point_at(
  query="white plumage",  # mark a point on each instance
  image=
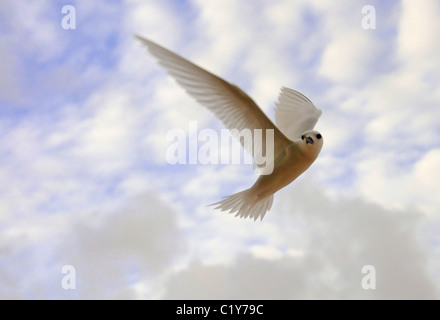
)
(295, 113)
(295, 144)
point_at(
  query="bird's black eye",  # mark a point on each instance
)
(318, 136)
(302, 137)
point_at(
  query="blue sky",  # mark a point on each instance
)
(84, 115)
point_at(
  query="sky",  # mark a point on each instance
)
(90, 208)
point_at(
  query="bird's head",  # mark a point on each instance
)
(312, 141)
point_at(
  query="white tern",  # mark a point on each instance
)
(295, 144)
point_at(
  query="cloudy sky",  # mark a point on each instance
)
(84, 117)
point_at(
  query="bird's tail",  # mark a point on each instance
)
(245, 204)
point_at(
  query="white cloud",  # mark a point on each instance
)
(337, 239)
(106, 137)
(419, 27)
(312, 247)
(266, 252)
(381, 181)
(71, 168)
(428, 171)
(106, 250)
(350, 64)
(156, 20)
(349, 51)
(37, 29)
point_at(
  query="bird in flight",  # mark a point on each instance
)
(294, 143)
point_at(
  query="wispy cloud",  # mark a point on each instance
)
(84, 178)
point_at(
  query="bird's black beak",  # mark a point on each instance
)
(309, 140)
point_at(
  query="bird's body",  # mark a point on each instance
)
(291, 164)
(295, 144)
(254, 202)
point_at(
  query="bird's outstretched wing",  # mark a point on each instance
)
(228, 102)
(295, 113)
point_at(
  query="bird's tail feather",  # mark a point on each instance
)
(245, 204)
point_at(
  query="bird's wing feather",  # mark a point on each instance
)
(295, 113)
(228, 102)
